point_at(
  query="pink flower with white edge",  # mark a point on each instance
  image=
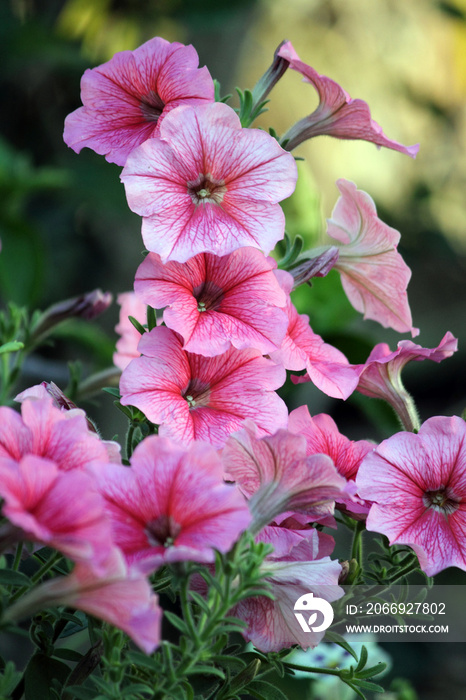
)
(337, 114)
(44, 430)
(418, 485)
(119, 595)
(172, 504)
(323, 437)
(216, 302)
(203, 398)
(61, 509)
(325, 366)
(207, 185)
(373, 273)
(127, 345)
(272, 625)
(380, 376)
(126, 99)
(277, 476)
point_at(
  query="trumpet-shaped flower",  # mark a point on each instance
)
(126, 99)
(278, 477)
(337, 114)
(205, 398)
(373, 273)
(207, 185)
(216, 302)
(418, 485)
(61, 509)
(172, 504)
(127, 344)
(44, 430)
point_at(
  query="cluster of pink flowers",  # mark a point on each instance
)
(209, 190)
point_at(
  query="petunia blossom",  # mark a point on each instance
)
(44, 430)
(205, 398)
(325, 365)
(216, 302)
(127, 344)
(172, 504)
(61, 509)
(119, 595)
(276, 475)
(380, 376)
(373, 273)
(323, 437)
(337, 113)
(418, 485)
(126, 99)
(207, 185)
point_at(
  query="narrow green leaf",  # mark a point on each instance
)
(203, 669)
(8, 577)
(12, 346)
(138, 326)
(266, 691)
(176, 622)
(113, 391)
(336, 638)
(68, 654)
(367, 685)
(362, 660)
(372, 671)
(39, 675)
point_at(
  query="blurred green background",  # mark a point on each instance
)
(65, 227)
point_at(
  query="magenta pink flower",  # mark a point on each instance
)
(207, 185)
(121, 596)
(380, 376)
(323, 437)
(325, 366)
(272, 625)
(278, 477)
(61, 509)
(194, 397)
(214, 303)
(126, 99)
(337, 114)
(127, 345)
(44, 430)
(172, 504)
(418, 485)
(373, 273)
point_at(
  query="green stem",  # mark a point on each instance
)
(37, 576)
(17, 559)
(129, 441)
(356, 547)
(409, 568)
(313, 669)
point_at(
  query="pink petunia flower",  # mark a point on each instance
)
(127, 345)
(126, 99)
(172, 504)
(205, 398)
(119, 595)
(277, 476)
(418, 484)
(44, 430)
(323, 437)
(207, 185)
(325, 366)
(337, 114)
(373, 273)
(272, 625)
(216, 302)
(61, 509)
(380, 376)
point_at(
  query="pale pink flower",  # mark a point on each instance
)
(337, 114)
(325, 366)
(323, 437)
(205, 398)
(207, 185)
(61, 509)
(418, 485)
(127, 345)
(172, 504)
(380, 376)
(119, 595)
(277, 476)
(126, 99)
(216, 302)
(272, 625)
(373, 273)
(44, 430)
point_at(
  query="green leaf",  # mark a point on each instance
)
(12, 346)
(203, 669)
(336, 638)
(135, 657)
(372, 671)
(113, 391)
(8, 577)
(362, 660)
(176, 622)
(233, 663)
(367, 685)
(138, 326)
(199, 600)
(68, 654)
(39, 675)
(265, 691)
